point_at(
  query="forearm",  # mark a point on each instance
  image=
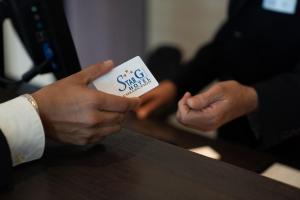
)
(275, 119)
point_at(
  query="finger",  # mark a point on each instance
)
(149, 103)
(184, 99)
(114, 103)
(183, 111)
(186, 115)
(144, 111)
(203, 100)
(207, 119)
(148, 96)
(93, 72)
(182, 104)
(192, 119)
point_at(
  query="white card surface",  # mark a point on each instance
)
(281, 6)
(130, 79)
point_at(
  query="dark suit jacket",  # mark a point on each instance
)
(258, 48)
(5, 163)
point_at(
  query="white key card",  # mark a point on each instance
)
(130, 79)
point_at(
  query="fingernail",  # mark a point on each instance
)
(108, 63)
(188, 94)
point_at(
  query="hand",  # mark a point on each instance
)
(222, 103)
(73, 113)
(163, 94)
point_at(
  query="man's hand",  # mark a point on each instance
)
(73, 113)
(222, 103)
(163, 94)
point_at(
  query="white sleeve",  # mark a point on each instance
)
(23, 129)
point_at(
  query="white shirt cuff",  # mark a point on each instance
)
(23, 129)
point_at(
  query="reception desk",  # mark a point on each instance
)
(132, 166)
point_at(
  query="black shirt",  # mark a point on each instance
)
(260, 48)
(5, 163)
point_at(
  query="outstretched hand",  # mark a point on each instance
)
(220, 104)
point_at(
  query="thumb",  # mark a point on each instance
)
(93, 72)
(205, 99)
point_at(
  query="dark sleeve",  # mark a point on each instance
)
(200, 71)
(207, 64)
(5, 164)
(277, 117)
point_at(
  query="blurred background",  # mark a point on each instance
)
(120, 30)
(123, 29)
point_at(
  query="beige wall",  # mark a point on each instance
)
(186, 23)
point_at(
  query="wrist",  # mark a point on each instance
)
(39, 101)
(32, 101)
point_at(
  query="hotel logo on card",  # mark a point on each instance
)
(131, 79)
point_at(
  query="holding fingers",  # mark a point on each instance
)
(73, 113)
(220, 104)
